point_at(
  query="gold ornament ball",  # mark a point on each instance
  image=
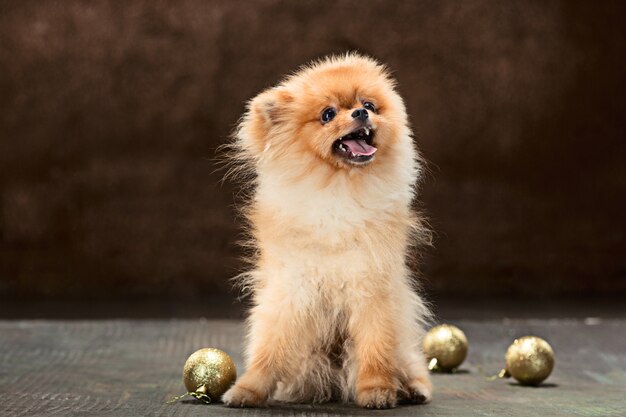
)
(209, 371)
(529, 360)
(447, 345)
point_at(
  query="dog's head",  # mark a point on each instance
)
(343, 111)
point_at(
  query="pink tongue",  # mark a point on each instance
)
(359, 147)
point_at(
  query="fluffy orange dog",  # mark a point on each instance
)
(335, 315)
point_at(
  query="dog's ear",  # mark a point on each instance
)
(271, 105)
(265, 112)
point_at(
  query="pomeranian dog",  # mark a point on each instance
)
(335, 314)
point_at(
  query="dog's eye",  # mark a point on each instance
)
(328, 115)
(369, 106)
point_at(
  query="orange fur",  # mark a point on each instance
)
(335, 314)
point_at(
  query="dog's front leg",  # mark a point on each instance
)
(372, 329)
(277, 344)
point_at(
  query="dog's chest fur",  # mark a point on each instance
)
(331, 238)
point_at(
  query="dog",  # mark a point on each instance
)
(335, 314)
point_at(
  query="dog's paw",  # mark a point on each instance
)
(377, 397)
(238, 396)
(419, 391)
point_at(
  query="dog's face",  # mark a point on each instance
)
(343, 111)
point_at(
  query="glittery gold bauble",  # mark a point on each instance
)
(209, 371)
(529, 360)
(445, 347)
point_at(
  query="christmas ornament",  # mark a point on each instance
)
(207, 374)
(529, 360)
(445, 347)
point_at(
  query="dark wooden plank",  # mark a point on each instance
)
(123, 368)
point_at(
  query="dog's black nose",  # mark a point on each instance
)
(360, 114)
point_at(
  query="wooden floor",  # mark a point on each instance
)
(131, 367)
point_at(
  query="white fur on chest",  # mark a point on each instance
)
(322, 236)
(335, 206)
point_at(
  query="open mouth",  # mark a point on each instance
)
(356, 147)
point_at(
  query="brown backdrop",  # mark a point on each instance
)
(110, 112)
